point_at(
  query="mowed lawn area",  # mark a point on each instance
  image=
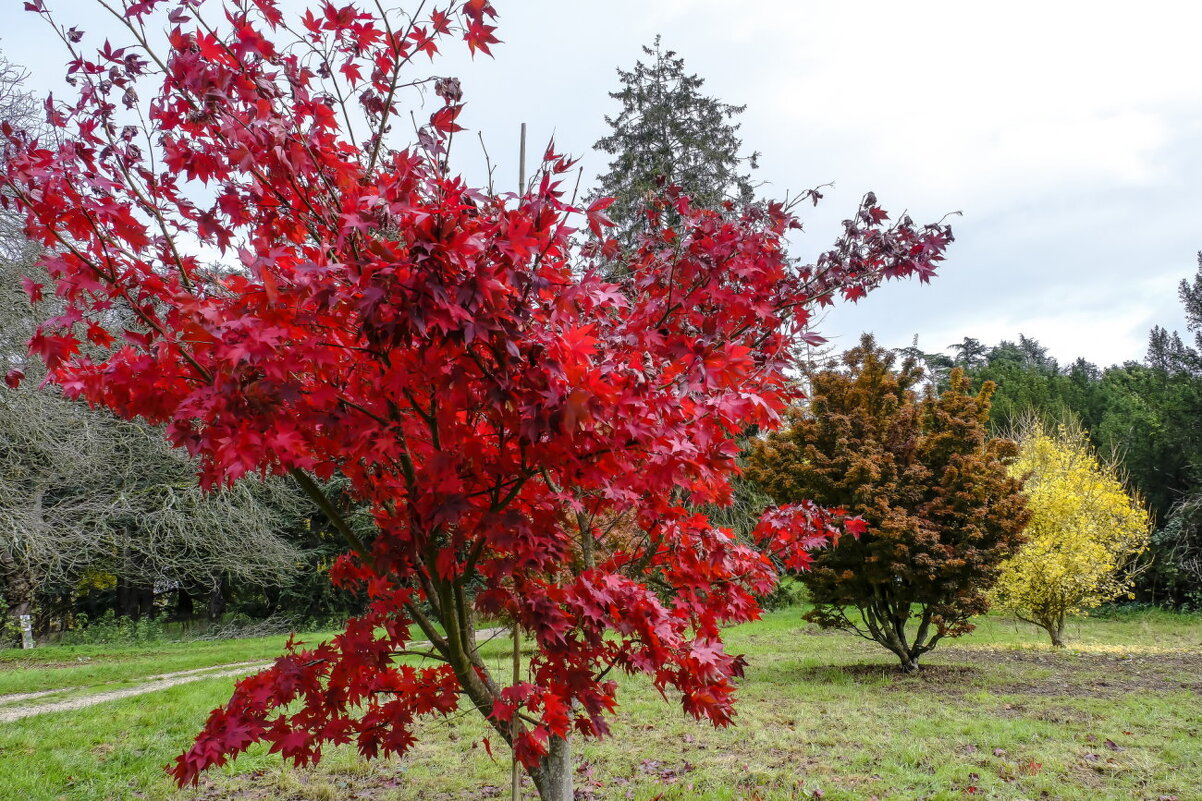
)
(995, 715)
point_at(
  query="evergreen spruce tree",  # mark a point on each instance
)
(669, 133)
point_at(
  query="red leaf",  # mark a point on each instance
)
(98, 335)
(479, 36)
(596, 216)
(352, 72)
(53, 348)
(443, 120)
(855, 525)
(32, 289)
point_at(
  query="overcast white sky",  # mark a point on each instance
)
(1068, 133)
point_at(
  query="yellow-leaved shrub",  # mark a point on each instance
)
(1085, 529)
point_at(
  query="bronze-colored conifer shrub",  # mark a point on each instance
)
(942, 510)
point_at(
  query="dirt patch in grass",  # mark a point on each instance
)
(383, 781)
(1087, 675)
(1072, 674)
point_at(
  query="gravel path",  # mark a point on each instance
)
(253, 663)
(162, 681)
(14, 697)
(10, 713)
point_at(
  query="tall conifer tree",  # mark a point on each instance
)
(668, 132)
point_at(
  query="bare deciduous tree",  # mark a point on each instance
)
(84, 493)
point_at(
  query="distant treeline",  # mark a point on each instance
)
(1148, 414)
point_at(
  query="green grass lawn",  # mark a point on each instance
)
(994, 715)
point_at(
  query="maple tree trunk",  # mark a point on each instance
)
(553, 775)
(1056, 632)
(1050, 622)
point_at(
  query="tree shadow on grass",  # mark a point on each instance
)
(879, 674)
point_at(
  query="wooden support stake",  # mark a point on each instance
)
(515, 774)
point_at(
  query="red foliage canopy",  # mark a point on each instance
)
(451, 353)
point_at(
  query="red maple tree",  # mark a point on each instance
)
(452, 353)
